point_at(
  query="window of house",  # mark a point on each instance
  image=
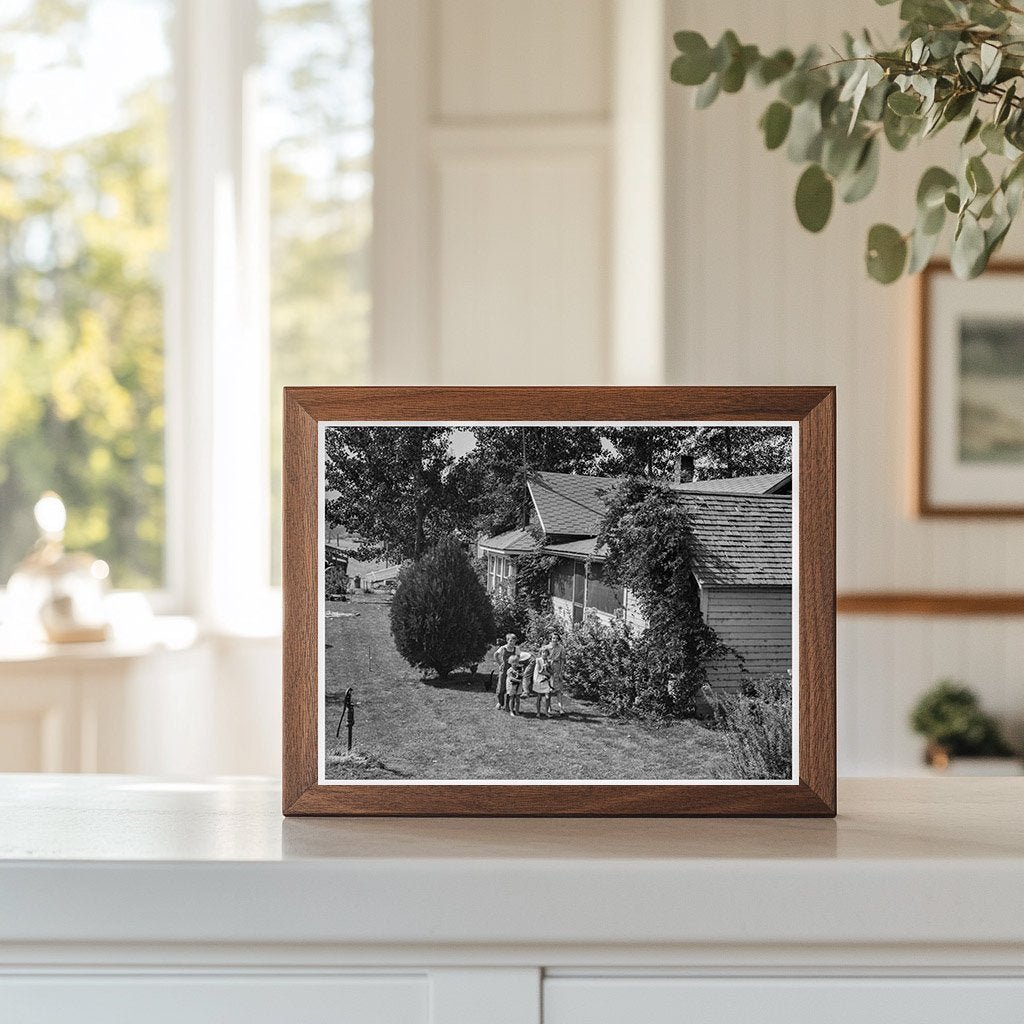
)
(83, 242)
(601, 596)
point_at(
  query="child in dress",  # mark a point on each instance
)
(542, 683)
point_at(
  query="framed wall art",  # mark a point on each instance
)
(559, 601)
(970, 384)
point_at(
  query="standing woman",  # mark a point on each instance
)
(503, 656)
(556, 660)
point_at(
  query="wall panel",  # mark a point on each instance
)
(523, 283)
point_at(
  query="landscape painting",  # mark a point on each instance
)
(515, 602)
(991, 389)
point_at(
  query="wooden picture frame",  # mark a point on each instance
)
(931, 406)
(812, 790)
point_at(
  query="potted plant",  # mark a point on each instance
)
(950, 717)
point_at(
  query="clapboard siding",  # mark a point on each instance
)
(757, 623)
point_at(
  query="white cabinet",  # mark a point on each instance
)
(216, 999)
(127, 898)
(821, 1000)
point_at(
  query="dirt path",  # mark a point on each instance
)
(450, 729)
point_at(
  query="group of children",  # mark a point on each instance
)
(529, 674)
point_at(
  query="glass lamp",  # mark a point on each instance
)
(59, 594)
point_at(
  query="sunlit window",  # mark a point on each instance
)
(83, 235)
(317, 121)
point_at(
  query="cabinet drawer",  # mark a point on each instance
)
(576, 1000)
(220, 999)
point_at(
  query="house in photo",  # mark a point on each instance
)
(501, 553)
(742, 573)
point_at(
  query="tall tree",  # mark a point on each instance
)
(387, 486)
(643, 451)
(729, 451)
(441, 617)
(83, 216)
(503, 459)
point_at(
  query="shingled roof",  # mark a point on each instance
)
(512, 542)
(568, 504)
(742, 540)
(586, 547)
(764, 483)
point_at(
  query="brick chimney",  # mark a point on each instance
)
(683, 471)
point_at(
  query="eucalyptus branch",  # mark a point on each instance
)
(955, 61)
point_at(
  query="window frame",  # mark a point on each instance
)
(215, 328)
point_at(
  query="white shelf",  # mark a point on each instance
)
(125, 860)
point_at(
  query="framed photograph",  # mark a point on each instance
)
(970, 450)
(559, 601)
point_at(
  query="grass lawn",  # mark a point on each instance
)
(406, 728)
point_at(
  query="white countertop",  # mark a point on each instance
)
(117, 859)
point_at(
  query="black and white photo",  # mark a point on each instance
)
(512, 602)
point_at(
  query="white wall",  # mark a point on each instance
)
(505, 126)
(519, 239)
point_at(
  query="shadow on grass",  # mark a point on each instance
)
(465, 681)
(567, 718)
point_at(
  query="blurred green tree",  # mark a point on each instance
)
(82, 232)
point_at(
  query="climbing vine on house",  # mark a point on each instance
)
(650, 550)
(957, 62)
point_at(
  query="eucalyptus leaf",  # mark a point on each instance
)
(840, 152)
(957, 106)
(931, 191)
(805, 133)
(886, 253)
(1013, 187)
(771, 69)
(993, 138)
(978, 176)
(814, 194)
(707, 93)
(922, 248)
(991, 60)
(690, 70)
(865, 173)
(775, 123)
(900, 130)
(794, 89)
(904, 103)
(1005, 105)
(973, 130)
(968, 248)
(735, 74)
(987, 15)
(873, 106)
(931, 221)
(725, 50)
